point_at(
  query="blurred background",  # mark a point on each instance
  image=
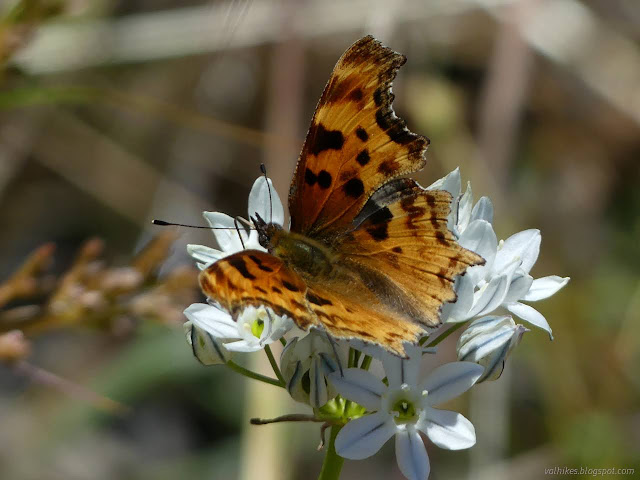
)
(115, 112)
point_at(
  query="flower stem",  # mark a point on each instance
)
(274, 364)
(352, 353)
(366, 362)
(332, 461)
(444, 335)
(256, 376)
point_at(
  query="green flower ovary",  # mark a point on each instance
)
(257, 328)
(404, 411)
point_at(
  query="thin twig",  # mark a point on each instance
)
(292, 417)
(70, 388)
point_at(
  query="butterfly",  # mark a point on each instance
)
(368, 255)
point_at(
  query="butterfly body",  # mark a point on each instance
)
(308, 257)
(368, 255)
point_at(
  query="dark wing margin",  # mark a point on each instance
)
(355, 143)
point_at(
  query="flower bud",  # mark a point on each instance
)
(488, 341)
(305, 365)
(206, 348)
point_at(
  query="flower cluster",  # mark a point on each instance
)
(366, 409)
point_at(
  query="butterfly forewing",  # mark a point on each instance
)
(355, 143)
(252, 277)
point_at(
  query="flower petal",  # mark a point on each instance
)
(530, 315)
(524, 246)
(360, 386)
(411, 455)
(480, 238)
(264, 201)
(490, 296)
(447, 429)
(458, 310)
(401, 370)
(364, 436)
(450, 380)
(245, 346)
(226, 234)
(215, 321)
(451, 183)
(318, 394)
(483, 210)
(519, 286)
(205, 255)
(465, 205)
(544, 287)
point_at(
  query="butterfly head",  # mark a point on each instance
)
(266, 231)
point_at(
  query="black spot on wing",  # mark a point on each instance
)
(361, 133)
(240, 266)
(379, 96)
(356, 95)
(354, 188)
(381, 216)
(290, 286)
(388, 167)
(379, 232)
(320, 139)
(317, 300)
(397, 249)
(262, 267)
(363, 157)
(324, 179)
(310, 178)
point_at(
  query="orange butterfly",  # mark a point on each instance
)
(368, 255)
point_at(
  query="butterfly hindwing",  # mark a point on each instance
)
(253, 277)
(355, 143)
(402, 236)
(360, 315)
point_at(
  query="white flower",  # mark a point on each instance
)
(405, 408)
(269, 207)
(254, 328)
(305, 365)
(488, 341)
(463, 213)
(504, 279)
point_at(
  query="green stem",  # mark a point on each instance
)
(352, 353)
(274, 364)
(366, 362)
(256, 376)
(441, 337)
(356, 358)
(332, 461)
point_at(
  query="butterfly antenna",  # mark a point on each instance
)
(162, 223)
(235, 222)
(335, 352)
(263, 169)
